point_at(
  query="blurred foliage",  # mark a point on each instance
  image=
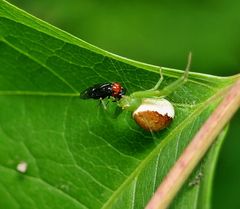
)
(162, 33)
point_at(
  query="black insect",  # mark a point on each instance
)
(103, 90)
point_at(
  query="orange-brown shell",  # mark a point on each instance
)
(152, 120)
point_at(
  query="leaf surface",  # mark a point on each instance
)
(78, 155)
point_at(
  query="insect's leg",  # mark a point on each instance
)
(179, 82)
(114, 99)
(103, 103)
(159, 81)
(168, 89)
(107, 101)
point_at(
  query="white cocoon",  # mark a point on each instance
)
(162, 106)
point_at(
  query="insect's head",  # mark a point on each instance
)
(117, 90)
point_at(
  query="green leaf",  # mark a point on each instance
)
(196, 193)
(78, 155)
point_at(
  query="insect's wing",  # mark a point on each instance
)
(97, 91)
(86, 93)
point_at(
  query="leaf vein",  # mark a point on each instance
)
(71, 154)
(40, 63)
(44, 182)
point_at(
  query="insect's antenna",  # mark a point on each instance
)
(189, 61)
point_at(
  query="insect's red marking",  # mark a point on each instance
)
(116, 89)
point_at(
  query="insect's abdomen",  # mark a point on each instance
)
(99, 91)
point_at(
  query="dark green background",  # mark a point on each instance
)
(162, 33)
